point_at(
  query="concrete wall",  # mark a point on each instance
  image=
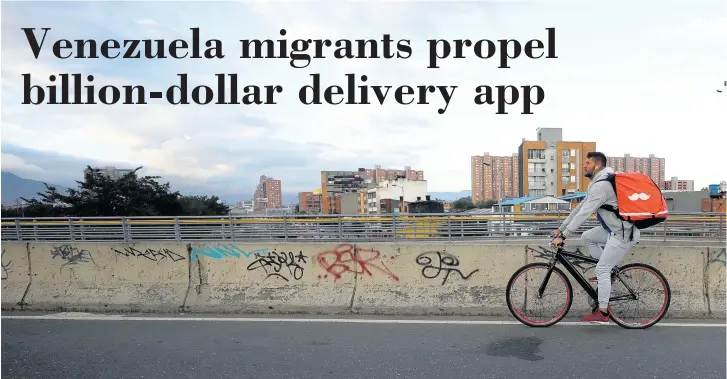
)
(383, 278)
(685, 201)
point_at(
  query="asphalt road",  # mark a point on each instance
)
(213, 349)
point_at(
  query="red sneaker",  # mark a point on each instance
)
(596, 317)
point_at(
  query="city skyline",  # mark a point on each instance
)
(618, 99)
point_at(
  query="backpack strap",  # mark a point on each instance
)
(611, 178)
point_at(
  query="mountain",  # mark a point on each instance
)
(14, 187)
(450, 196)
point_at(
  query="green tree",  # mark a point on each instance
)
(462, 204)
(131, 195)
(203, 206)
(486, 204)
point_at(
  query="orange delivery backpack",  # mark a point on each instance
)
(639, 199)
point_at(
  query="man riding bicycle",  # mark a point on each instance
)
(619, 237)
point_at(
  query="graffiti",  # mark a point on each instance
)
(72, 255)
(224, 251)
(444, 262)
(150, 254)
(348, 258)
(6, 266)
(719, 258)
(274, 262)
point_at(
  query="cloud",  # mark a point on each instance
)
(146, 21)
(606, 84)
(17, 165)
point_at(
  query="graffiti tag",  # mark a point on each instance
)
(274, 262)
(222, 251)
(719, 258)
(348, 258)
(72, 255)
(435, 262)
(6, 266)
(150, 254)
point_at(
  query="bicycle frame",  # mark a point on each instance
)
(561, 256)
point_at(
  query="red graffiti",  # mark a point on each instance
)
(347, 258)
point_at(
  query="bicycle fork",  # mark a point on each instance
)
(551, 265)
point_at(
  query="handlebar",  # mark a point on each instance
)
(552, 238)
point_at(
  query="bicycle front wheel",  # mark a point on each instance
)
(529, 308)
(651, 302)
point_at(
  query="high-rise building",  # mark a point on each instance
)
(494, 177)
(551, 166)
(651, 166)
(268, 194)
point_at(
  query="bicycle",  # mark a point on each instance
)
(619, 275)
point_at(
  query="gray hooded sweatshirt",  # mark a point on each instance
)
(599, 193)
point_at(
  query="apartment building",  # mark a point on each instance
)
(378, 174)
(494, 177)
(310, 202)
(268, 194)
(550, 166)
(410, 190)
(675, 184)
(335, 184)
(651, 166)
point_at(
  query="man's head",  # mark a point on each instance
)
(595, 162)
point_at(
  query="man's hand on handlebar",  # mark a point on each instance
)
(557, 238)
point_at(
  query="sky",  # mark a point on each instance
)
(625, 73)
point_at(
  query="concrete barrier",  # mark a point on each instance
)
(395, 279)
(148, 277)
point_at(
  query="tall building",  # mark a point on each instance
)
(651, 166)
(551, 166)
(336, 184)
(494, 177)
(268, 194)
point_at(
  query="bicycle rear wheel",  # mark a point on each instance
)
(531, 276)
(653, 296)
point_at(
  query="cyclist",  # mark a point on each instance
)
(615, 234)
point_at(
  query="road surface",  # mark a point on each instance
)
(162, 346)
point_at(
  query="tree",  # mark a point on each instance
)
(464, 203)
(486, 204)
(203, 206)
(131, 195)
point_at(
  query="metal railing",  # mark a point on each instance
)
(705, 227)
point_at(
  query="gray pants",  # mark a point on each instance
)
(615, 249)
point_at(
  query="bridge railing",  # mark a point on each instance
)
(324, 228)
